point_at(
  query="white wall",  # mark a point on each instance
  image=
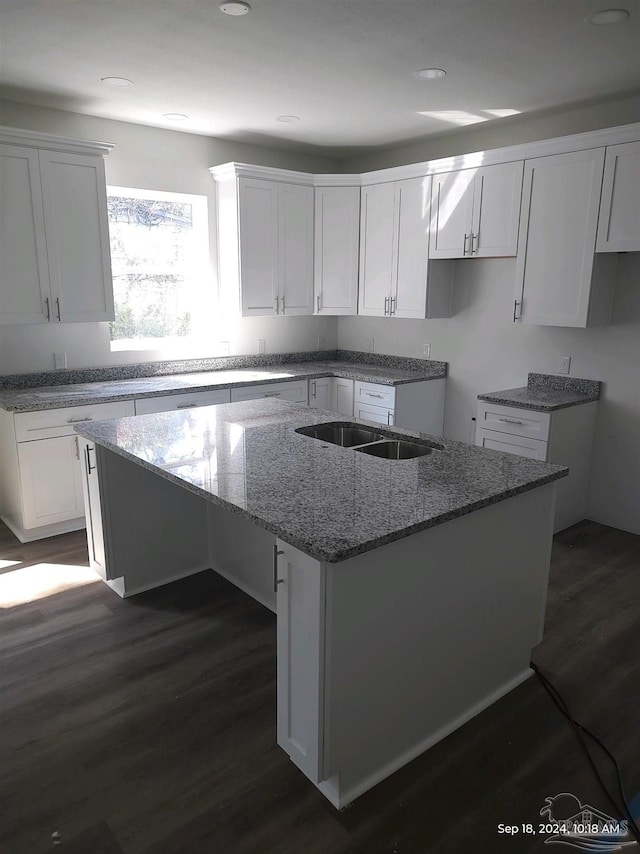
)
(153, 158)
(486, 352)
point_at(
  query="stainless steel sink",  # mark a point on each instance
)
(396, 449)
(337, 434)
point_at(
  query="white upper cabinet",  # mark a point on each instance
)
(396, 277)
(265, 241)
(559, 280)
(54, 237)
(475, 212)
(619, 222)
(337, 235)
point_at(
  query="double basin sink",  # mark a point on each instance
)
(367, 441)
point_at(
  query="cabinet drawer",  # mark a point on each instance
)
(496, 441)
(49, 423)
(374, 394)
(166, 402)
(295, 391)
(377, 414)
(510, 419)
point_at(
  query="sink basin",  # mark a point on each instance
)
(396, 449)
(347, 437)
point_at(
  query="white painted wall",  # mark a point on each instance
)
(153, 158)
(486, 351)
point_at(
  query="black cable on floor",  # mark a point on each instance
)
(557, 698)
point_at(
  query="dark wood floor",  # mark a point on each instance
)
(148, 725)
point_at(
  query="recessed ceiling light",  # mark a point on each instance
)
(175, 117)
(608, 16)
(117, 82)
(235, 7)
(287, 119)
(430, 73)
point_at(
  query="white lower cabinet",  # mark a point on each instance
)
(332, 393)
(293, 390)
(414, 406)
(564, 437)
(41, 493)
(189, 400)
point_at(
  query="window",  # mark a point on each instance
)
(162, 280)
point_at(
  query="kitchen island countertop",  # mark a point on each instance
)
(328, 501)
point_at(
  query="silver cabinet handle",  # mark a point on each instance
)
(510, 420)
(464, 247)
(273, 394)
(474, 237)
(318, 303)
(277, 304)
(313, 389)
(392, 309)
(516, 316)
(276, 553)
(283, 305)
(372, 394)
(386, 305)
(78, 420)
(46, 302)
(390, 418)
(90, 468)
(77, 447)
(58, 307)
(186, 405)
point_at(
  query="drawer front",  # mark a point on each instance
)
(295, 391)
(496, 441)
(49, 423)
(167, 402)
(377, 414)
(509, 419)
(374, 394)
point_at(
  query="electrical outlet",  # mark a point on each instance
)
(426, 351)
(320, 342)
(371, 345)
(59, 361)
(224, 348)
(564, 365)
(261, 345)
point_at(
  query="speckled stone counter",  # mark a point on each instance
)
(84, 387)
(546, 393)
(330, 502)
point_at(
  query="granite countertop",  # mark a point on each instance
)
(82, 393)
(546, 393)
(330, 502)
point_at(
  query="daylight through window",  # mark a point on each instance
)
(162, 282)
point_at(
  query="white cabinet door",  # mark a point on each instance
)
(50, 480)
(496, 210)
(409, 295)
(377, 249)
(533, 448)
(300, 583)
(560, 202)
(342, 400)
(77, 231)
(258, 227)
(619, 222)
(93, 507)
(320, 393)
(24, 272)
(451, 212)
(337, 236)
(295, 237)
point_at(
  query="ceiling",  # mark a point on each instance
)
(344, 67)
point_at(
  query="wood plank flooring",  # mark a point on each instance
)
(148, 725)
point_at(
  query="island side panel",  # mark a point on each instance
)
(155, 531)
(424, 633)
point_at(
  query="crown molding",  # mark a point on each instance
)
(47, 141)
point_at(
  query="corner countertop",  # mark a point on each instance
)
(330, 502)
(82, 393)
(547, 393)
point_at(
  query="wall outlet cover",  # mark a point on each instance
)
(426, 351)
(564, 365)
(261, 345)
(59, 361)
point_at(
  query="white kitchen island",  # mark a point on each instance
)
(409, 593)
